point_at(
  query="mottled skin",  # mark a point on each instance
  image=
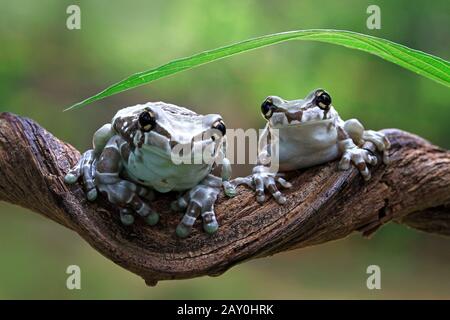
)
(307, 132)
(134, 155)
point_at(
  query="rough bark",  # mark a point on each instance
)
(324, 204)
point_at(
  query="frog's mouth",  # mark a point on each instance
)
(284, 118)
(201, 149)
(197, 151)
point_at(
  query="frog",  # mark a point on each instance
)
(307, 132)
(134, 158)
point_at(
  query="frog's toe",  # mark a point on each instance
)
(92, 195)
(370, 159)
(362, 167)
(142, 208)
(127, 219)
(276, 194)
(361, 159)
(243, 180)
(210, 224)
(230, 191)
(279, 197)
(386, 159)
(345, 162)
(211, 227)
(380, 141)
(183, 231)
(74, 174)
(145, 193)
(259, 188)
(285, 184)
(185, 226)
(260, 196)
(70, 178)
(152, 218)
(229, 188)
(174, 206)
(180, 204)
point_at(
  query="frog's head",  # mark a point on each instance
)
(160, 127)
(315, 107)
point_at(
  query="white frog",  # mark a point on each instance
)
(134, 155)
(307, 132)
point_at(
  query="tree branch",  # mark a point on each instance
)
(324, 204)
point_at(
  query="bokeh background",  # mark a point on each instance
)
(44, 68)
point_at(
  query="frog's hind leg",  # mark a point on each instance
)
(85, 167)
(353, 153)
(263, 179)
(181, 203)
(359, 135)
(192, 213)
(126, 194)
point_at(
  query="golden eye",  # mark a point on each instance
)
(147, 121)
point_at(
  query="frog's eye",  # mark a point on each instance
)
(147, 121)
(220, 126)
(323, 100)
(267, 108)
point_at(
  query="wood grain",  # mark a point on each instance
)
(324, 204)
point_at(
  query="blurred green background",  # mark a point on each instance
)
(44, 68)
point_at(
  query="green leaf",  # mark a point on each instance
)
(420, 62)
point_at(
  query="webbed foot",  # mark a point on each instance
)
(262, 179)
(359, 135)
(198, 201)
(126, 194)
(351, 139)
(85, 168)
(380, 141)
(360, 158)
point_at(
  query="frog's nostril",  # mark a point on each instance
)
(291, 116)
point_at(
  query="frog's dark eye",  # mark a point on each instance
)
(220, 126)
(267, 108)
(323, 100)
(147, 121)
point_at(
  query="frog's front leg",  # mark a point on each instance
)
(198, 201)
(126, 194)
(262, 178)
(351, 153)
(359, 136)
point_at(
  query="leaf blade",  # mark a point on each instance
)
(422, 63)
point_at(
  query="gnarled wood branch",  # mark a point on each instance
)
(324, 204)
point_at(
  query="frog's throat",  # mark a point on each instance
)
(302, 124)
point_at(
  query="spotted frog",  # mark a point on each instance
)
(307, 132)
(133, 156)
